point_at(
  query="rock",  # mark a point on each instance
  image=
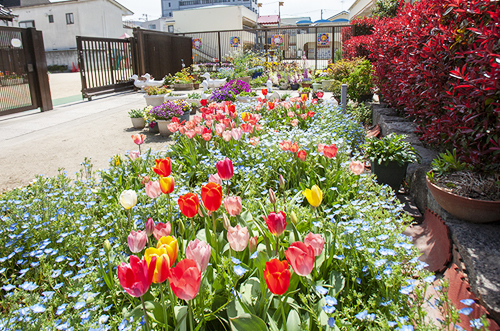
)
(377, 112)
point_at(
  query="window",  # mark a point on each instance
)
(152, 26)
(27, 24)
(170, 14)
(70, 19)
(169, 4)
(171, 28)
(51, 18)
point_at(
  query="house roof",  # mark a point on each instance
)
(268, 19)
(332, 18)
(6, 15)
(33, 3)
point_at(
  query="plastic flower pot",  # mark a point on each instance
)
(162, 127)
(154, 100)
(138, 123)
(326, 85)
(294, 87)
(317, 86)
(390, 173)
(466, 209)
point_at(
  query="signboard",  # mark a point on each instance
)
(235, 41)
(197, 43)
(277, 40)
(323, 39)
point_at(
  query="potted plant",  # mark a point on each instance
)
(390, 157)
(247, 96)
(183, 80)
(196, 84)
(294, 82)
(137, 117)
(164, 113)
(305, 90)
(155, 95)
(467, 195)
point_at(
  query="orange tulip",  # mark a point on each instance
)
(163, 167)
(188, 204)
(169, 244)
(167, 184)
(211, 195)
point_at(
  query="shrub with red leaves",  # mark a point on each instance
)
(356, 41)
(439, 62)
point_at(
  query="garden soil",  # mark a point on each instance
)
(33, 143)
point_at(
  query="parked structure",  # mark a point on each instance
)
(168, 7)
(61, 22)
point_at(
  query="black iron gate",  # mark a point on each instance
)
(24, 82)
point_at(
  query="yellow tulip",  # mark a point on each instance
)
(169, 244)
(314, 195)
(162, 263)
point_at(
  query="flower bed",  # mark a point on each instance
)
(70, 248)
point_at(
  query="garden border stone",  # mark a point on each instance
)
(478, 244)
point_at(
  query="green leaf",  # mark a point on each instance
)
(337, 281)
(293, 321)
(181, 317)
(246, 322)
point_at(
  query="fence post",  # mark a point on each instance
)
(141, 66)
(332, 46)
(220, 52)
(81, 65)
(265, 45)
(315, 49)
(343, 100)
(42, 76)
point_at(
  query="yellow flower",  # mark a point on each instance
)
(314, 195)
(162, 263)
(169, 244)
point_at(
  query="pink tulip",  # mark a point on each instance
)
(233, 205)
(321, 148)
(357, 167)
(214, 179)
(137, 241)
(173, 127)
(291, 114)
(237, 237)
(316, 241)
(138, 138)
(226, 135)
(197, 119)
(190, 134)
(153, 189)
(301, 258)
(258, 127)
(219, 128)
(252, 245)
(225, 169)
(237, 133)
(254, 141)
(199, 251)
(207, 136)
(150, 226)
(162, 230)
(303, 116)
(133, 155)
(295, 122)
(199, 130)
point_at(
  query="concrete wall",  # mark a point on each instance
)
(212, 18)
(66, 57)
(361, 8)
(92, 18)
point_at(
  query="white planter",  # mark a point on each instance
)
(162, 126)
(176, 97)
(246, 99)
(154, 100)
(138, 123)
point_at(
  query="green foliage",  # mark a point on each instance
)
(137, 113)
(194, 95)
(57, 68)
(360, 112)
(390, 148)
(447, 162)
(359, 82)
(386, 8)
(259, 81)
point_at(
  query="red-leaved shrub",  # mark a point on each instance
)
(439, 62)
(357, 38)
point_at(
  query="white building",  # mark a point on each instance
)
(62, 21)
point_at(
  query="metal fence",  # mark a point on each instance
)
(105, 65)
(319, 45)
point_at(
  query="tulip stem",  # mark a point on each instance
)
(282, 301)
(139, 149)
(173, 302)
(214, 235)
(227, 186)
(277, 246)
(170, 213)
(164, 307)
(190, 309)
(145, 314)
(192, 225)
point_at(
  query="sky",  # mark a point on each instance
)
(308, 8)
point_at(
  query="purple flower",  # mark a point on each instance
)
(166, 111)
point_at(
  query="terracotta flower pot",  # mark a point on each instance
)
(466, 209)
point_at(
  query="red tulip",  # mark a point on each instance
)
(225, 169)
(163, 167)
(301, 258)
(211, 195)
(188, 204)
(264, 91)
(310, 113)
(231, 108)
(276, 223)
(203, 102)
(277, 276)
(319, 94)
(135, 277)
(294, 148)
(185, 279)
(330, 151)
(138, 138)
(302, 155)
(270, 105)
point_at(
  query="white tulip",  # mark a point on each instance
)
(128, 199)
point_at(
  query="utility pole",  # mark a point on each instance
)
(258, 13)
(281, 3)
(321, 13)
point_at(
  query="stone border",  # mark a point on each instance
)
(478, 244)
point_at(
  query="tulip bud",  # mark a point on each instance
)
(253, 244)
(180, 168)
(145, 179)
(182, 228)
(272, 196)
(107, 246)
(150, 226)
(281, 181)
(225, 221)
(293, 217)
